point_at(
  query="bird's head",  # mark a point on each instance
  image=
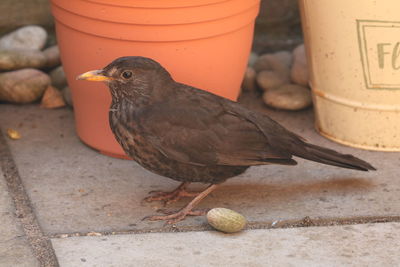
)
(130, 76)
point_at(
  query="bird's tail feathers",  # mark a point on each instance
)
(331, 157)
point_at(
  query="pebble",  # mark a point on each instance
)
(288, 97)
(263, 63)
(252, 59)
(52, 98)
(29, 37)
(19, 59)
(58, 78)
(300, 73)
(23, 86)
(52, 55)
(271, 79)
(249, 80)
(66, 92)
(279, 62)
(284, 57)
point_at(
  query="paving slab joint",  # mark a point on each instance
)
(305, 222)
(40, 244)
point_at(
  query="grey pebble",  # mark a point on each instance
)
(66, 92)
(249, 80)
(300, 73)
(58, 78)
(278, 62)
(52, 55)
(253, 57)
(271, 79)
(30, 37)
(284, 57)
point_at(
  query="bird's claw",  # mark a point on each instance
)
(173, 217)
(166, 211)
(169, 197)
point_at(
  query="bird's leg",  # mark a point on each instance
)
(188, 210)
(173, 196)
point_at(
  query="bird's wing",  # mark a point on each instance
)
(206, 133)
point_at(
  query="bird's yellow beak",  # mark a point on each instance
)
(94, 75)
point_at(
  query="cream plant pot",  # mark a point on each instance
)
(353, 49)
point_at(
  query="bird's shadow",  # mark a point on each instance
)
(291, 191)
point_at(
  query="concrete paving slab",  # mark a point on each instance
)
(356, 245)
(76, 189)
(14, 247)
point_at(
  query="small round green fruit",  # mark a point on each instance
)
(226, 220)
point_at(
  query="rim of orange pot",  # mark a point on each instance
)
(159, 13)
(167, 32)
(158, 3)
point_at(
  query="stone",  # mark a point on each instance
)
(279, 62)
(52, 98)
(29, 37)
(52, 55)
(263, 63)
(284, 57)
(23, 86)
(270, 79)
(288, 97)
(66, 92)
(19, 59)
(299, 73)
(58, 78)
(51, 38)
(252, 59)
(299, 54)
(249, 80)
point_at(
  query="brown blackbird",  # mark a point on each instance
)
(190, 135)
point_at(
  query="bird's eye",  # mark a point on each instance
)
(126, 74)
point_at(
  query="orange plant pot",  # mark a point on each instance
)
(203, 43)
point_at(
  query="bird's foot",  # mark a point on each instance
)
(170, 197)
(188, 210)
(173, 217)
